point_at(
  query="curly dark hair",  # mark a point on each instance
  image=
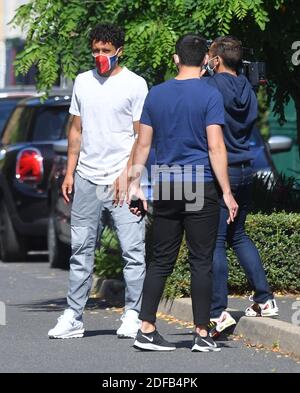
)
(107, 32)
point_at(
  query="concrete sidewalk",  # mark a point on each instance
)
(282, 333)
(276, 333)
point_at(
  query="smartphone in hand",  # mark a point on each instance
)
(138, 204)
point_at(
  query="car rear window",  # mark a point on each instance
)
(16, 130)
(49, 123)
(6, 108)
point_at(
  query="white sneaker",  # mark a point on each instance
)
(67, 327)
(268, 309)
(218, 325)
(130, 325)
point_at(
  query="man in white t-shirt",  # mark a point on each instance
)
(106, 106)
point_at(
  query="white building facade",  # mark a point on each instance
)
(9, 40)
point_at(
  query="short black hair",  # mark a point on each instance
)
(191, 49)
(107, 32)
(230, 49)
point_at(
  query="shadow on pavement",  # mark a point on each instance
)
(93, 333)
(237, 315)
(60, 304)
(188, 344)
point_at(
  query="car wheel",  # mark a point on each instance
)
(12, 245)
(58, 252)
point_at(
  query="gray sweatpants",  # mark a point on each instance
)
(89, 204)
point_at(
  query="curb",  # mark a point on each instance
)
(112, 290)
(178, 308)
(264, 331)
(270, 332)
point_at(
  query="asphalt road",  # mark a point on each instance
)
(34, 296)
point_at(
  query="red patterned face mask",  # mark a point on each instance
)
(105, 63)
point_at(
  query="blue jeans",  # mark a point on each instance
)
(245, 250)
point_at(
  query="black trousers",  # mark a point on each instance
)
(170, 220)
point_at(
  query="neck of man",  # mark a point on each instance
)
(222, 68)
(188, 72)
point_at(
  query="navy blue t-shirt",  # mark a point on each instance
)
(179, 112)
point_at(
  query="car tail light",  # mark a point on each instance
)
(29, 168)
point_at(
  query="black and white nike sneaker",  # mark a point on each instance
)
(204, 344)
(152, 342)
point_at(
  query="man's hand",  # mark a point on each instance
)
(120, 187)
(202, 72)
(67, 187)
(232, 206)
(135, 193)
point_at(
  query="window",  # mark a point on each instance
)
(49, 123)
(17, 127)
(6, 108)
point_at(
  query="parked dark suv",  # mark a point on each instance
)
(26, 158)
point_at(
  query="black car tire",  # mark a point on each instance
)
(12, 245)
(58, 252)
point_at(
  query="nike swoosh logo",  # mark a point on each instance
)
(209, 344)
(148, 338)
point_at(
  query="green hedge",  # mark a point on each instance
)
(277, 237)
(108, 259)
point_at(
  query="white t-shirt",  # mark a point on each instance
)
(107, 107)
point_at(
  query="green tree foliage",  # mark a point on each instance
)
(57, 32)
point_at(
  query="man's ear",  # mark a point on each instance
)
(206, 58)
(176, 59)
(219, 61)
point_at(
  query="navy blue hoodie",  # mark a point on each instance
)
(240, 114)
